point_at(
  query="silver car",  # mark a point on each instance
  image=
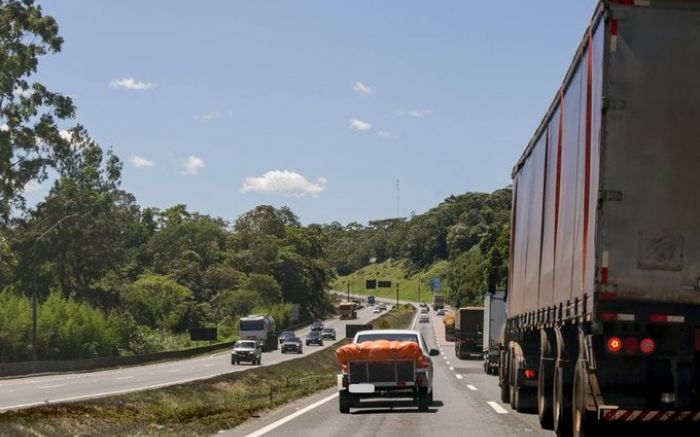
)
(246, 350)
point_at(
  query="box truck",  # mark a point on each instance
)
(468, 332)
(494, 318)
(603, 300)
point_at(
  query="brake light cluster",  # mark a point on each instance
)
(530, 374)
(630, 345)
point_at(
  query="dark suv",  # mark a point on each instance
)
(317, 325)
(314, 337)
(285, 335)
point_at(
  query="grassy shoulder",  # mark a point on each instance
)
(394, 271)
(196, 408)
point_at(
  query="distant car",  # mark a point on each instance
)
(246, 350)
(317, 325)
(424, 310)
(314, 337)
(328, 333)
(285, 335)
(423, 318)
(292, 344)
(441, 312)
(376, 310)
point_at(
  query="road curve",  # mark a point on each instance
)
(26, 392)
(467, 404)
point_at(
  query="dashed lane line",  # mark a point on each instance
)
(472, 388)
(459, 376)
(124, 377)
(43, 387)
(452, 368)
(497, 408)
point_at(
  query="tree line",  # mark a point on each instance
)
(111, 276)
(470, 231)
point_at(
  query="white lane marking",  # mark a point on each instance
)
(210, 365)
(448, 363)
(452, 368)
(124, 377)
(459, 376)
(472, 388)
(173, 370)
(51, 386)
(497, 408)
(282, 421)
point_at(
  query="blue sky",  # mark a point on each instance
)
(318, 105)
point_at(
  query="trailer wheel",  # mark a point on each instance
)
(344, 402)
(544, 394)
(561, 405)
(585, 424)
(423, 400)
(504, 365)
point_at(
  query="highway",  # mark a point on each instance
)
(467, 404)
(25, 392)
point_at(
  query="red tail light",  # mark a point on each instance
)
(614, 344)
(647, 345)
(530, 374)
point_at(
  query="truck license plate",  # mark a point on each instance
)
(361, 388)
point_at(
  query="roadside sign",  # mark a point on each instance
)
(371, 284)
(435, 283)
(384, 284)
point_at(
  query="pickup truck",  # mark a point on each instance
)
(246, 350)
(365, 376)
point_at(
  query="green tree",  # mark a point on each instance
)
(30, 138)
(266, 287)
(158, 301)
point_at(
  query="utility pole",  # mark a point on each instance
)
(419, 278)
(397, 293)
(35, 297)
(348, 283)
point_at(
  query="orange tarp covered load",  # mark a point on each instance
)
(380, 350)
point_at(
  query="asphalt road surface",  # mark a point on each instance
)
(467, 404)
(30, 391)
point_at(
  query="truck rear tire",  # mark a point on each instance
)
(584, 423)
(423, 399)
(561, 405)
(344, 402)
(544, 394)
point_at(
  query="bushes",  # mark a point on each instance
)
(67, 329)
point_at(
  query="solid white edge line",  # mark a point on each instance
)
(497, 408)
(282, 421)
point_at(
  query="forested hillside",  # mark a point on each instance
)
(469, 231)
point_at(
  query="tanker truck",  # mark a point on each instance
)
(260, 328)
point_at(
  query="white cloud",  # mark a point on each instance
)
(130, 83)
(384, 134)
(4, 127)
(192, 165)
(213, 115)
(284, 182)
(19, 92)
(66, 135)
(32, 187)
(362, 89)
(417, 113)
(140, 162)
(359, 124)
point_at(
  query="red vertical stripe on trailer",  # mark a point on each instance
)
(589, 135)
(544, 202)
(560, 140)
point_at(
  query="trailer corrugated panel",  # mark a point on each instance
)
(556, 187)
(651, 158)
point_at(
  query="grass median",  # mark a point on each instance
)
(195, 408)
